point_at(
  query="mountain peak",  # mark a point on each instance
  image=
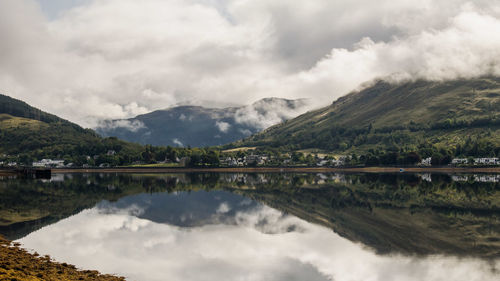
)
(201, 126)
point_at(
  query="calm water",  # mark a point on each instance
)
(262, 226)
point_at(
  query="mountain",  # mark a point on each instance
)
(413, 115)
(199, 126)
(27, 133)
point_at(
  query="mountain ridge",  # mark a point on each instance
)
(200, 126)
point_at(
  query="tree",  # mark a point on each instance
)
(436, 159)
(195, 159)
(413, 158)
(211, 158)
(446, 159)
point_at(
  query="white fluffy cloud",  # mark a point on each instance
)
(223, 126)
(268, 112)
(132, 126)
(119, 58)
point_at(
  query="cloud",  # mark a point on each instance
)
(246, 132)
(268, 112)
(263, 245)
(114, 59)
(178, 142)
(223, 208)
(223, 126)
(132, 126)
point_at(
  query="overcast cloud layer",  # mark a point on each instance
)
(119, 58)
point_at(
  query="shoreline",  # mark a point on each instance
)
(494, 170)
(177, 170)
(17, 263)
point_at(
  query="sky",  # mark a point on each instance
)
(88, 60)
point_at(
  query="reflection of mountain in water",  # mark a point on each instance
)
(184, 209)
(390, 229)
(402, 213)
(398, 213)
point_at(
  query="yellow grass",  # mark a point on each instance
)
(239, 149)
(160, 165)
(8, 122)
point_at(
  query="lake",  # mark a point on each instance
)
(277, 226)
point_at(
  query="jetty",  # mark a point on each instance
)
(28, 172)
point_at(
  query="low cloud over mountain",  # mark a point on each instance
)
(200, 126)
(114, 59)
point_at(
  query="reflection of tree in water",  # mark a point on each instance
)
(397, 212)
(409, 213)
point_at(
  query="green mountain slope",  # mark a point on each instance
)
(400, 117)
(28, 134)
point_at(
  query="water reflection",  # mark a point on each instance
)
(260, 243)
(262, 226)
(182, 208)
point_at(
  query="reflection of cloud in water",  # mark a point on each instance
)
(133, 210)
(223, 208)
(269, 221)
(144, 250)
(192, 209)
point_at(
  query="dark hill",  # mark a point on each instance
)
(19, 108)
(28, 134)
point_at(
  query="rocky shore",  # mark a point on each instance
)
(18, 264)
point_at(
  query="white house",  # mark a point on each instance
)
(487, 178)
(322, 163)
(339, 162)
(426, 177)
(426, 162)
(257, 159)
(457, 161)
(459, 178)
(229, 161)
(486, 161)
(49, 163)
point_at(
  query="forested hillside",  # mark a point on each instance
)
(456, 118)
(27, 134)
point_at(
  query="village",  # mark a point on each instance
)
(256, 160)
(252, 159)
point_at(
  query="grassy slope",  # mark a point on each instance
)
(384, 105)
(8, 122)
